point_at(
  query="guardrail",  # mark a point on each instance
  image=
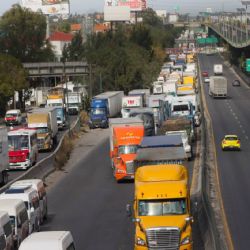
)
(45, 166)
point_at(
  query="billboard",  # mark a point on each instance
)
(134, 5)
(116, 13)
(48, 7)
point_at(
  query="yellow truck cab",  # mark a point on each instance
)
(162, 208)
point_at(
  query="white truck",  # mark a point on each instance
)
(218, 69)
(73, 102)
(218, 86)
(4, 156)
(157, 87)
(130, 102)
(157, 103)
(143, 92)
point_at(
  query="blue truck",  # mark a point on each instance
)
(104, 106)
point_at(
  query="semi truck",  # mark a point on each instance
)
(125, 137)
(218, 86)
(4, 155)
(61, 117)
(56, 97)
(218, 69)
(142, 92)
(162, 208)
(129, 103)
(147, 115)
(162, 149)
(73, 102)
(178, 123)
(44, 120)
(103, 107)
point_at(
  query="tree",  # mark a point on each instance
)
(12, 78)
(23, 34)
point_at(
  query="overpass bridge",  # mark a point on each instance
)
(56, 69)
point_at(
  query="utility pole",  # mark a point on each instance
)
(90, 81)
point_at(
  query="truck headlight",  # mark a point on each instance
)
(103, 121)
(140, 242)
(185, 241)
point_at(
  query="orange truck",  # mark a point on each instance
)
(126, 135)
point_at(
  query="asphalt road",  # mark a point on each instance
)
(89, 203)
(16, 173)
(232, 116)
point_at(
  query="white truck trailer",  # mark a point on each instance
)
(218, 86)
(73, 102)
(218, 69)
(130, 102)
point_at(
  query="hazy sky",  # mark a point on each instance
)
(186, 6)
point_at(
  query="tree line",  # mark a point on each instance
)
(130, 56)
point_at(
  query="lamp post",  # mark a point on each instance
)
(246, 3)
(240, 10)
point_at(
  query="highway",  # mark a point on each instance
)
(89, 203)
(232, 116)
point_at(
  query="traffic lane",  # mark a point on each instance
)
(90, 204)
(95, 205)
(13, 174)
(231, 165)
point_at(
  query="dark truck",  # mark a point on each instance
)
(158, 150)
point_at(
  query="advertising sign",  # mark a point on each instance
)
(134, 5)
(48, 7)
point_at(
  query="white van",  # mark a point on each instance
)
(31, 201)
(5, 227)
(18, 217)
(54, 240)
(13, 117)
(38, 185)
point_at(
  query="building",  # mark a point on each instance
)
(173, 18)
(101, 27)
(58, 40)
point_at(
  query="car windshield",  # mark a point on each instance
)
(18, 142)
(11, 115)
(162, 207)
(127, 149)
(98, 111)
(42, 130)
(231, 138)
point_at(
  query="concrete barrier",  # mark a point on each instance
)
(44, 167)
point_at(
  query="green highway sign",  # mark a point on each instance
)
(248, 65)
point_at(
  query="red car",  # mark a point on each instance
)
(204, 73)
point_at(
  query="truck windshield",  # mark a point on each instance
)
(18, 142)
(11, 115)
(98, 111)
(42, 130)
(127, 149)
(162, 207)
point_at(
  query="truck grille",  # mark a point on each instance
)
(130, 167)
(97, 121)
(165, 238)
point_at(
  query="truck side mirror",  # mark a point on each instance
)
(128, 210)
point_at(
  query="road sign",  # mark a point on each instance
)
(248, 65)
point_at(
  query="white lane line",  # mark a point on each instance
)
(236, 117)
(243, 131)
(240, 126)
(246, 137)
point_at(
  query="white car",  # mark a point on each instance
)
(206, 79)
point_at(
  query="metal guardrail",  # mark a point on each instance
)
(45, 166)
(241, 44)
